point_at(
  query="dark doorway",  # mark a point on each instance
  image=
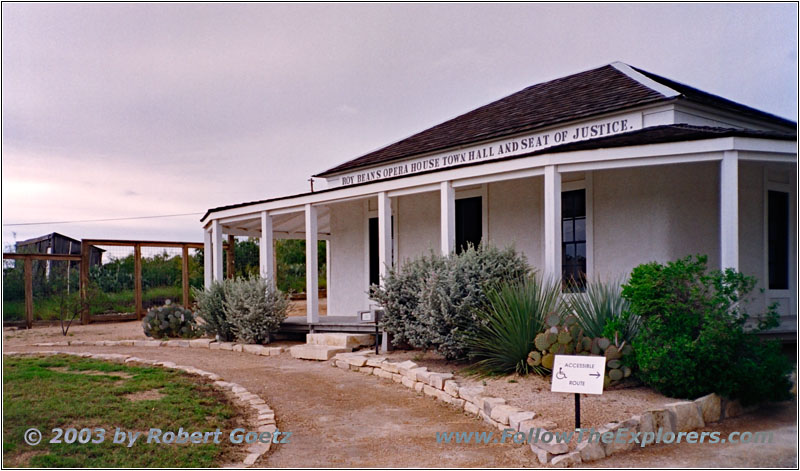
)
(374, 259)
(469, 222)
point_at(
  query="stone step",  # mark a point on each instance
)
(341, 339)
(316, 352)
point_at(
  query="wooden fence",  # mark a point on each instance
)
(28, 259)
(137, 245)
(84, 258)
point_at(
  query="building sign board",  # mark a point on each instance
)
(580, 374)
(518, 145)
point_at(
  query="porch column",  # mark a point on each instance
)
(552, 222)
(265, 266)
(729, 210)
(216, 247)
(448, 213)
(384, 234)
(207, 257)
(312, 275)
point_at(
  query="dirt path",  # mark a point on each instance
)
(343, 419)
(340, 419)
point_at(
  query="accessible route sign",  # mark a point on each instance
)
(578, 374)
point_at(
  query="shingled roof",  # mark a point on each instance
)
(651, 135)
(613, 87)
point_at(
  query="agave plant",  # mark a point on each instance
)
(603, 312)
(509, 322)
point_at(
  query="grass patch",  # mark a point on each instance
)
(62, 391)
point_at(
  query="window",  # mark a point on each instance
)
(469, 222)
(778, 239)
(573, 239)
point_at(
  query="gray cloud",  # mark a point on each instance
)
(199, 105)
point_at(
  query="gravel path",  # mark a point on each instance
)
(341, 419)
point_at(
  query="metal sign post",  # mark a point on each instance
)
(579, 374)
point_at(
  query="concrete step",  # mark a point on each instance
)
(340, 339)
(316, 352)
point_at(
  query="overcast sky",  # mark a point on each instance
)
(124, 110)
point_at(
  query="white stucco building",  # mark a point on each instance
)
(592, 173)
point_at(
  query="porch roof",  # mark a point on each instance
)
(650, 135)
(611, 88)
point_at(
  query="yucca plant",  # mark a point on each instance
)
(509, 321)
(603, 312)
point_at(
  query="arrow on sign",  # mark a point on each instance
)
(595, 374)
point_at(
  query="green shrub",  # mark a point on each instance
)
(245, 309)
(603, 312)
(513, 315)
(431, 302)
(254, 308)
(170, 320)
(693, 339)
(210, 307)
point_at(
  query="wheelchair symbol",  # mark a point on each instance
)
(560, 374)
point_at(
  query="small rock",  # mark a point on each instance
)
(437, 379)
(451, 387)
(200, 343)
(342, 364)
(357, 361)
(566, 461)
(543, 456)
(591, 451)
(687, 416)
(554, 447)
(663, 420)
(501, 412)
(390, 367)
(471, 394)
(412, 373)
(471, 408)
(490, 403)
(375, 362)
(418, 386)
(404, 367)
(710, 407)
(409, 383)
(516, 418)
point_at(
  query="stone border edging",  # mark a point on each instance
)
(683, 416)
(265, 421)
(186, 343)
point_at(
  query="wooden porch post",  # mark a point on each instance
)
(216, 247)
(265, 248)
(729, 210)
(208, 254)
(84, 281)
(384, 235)
(137, 280)
(312, 275)
(552, 222)
(28, 266)
(185, 275)
(448, 217)
(231, 256)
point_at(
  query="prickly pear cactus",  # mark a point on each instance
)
(563, 336)
(170, 320)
